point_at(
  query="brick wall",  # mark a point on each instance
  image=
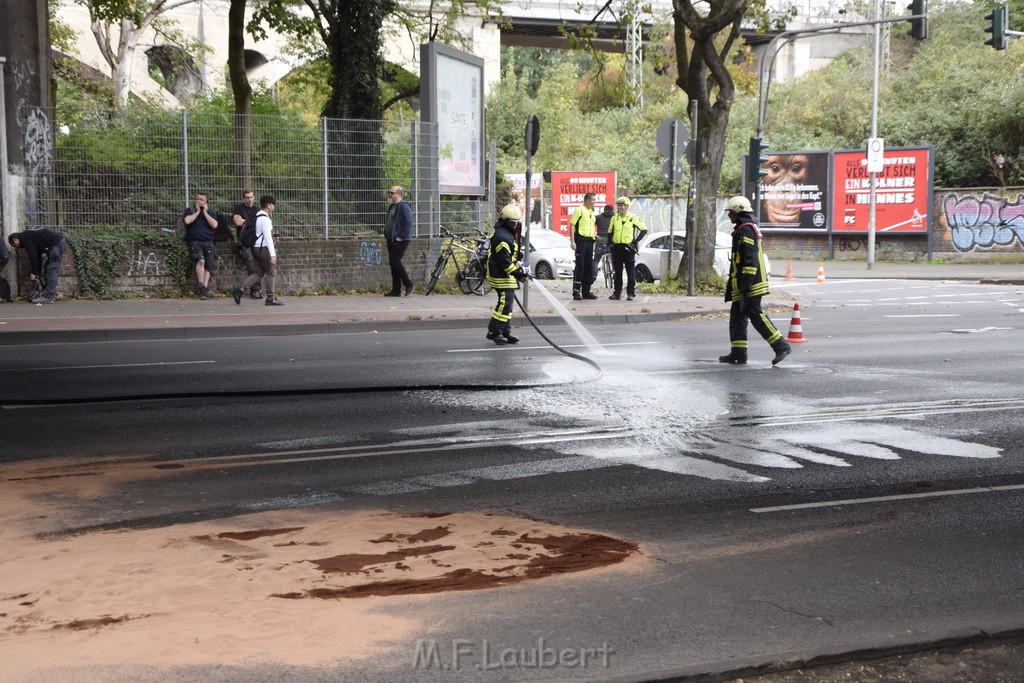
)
(303, 265)
(981, 224)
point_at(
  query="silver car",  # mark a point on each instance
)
(550, 255)
(654, 249)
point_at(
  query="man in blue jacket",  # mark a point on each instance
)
(398, 233)
(200, 226)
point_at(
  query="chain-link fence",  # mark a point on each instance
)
(140, 168)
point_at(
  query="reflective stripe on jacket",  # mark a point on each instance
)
(503, 259)
(747, 272)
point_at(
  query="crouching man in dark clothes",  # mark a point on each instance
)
(39, 243)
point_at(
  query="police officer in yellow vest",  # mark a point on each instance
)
(748, 282)
(582, 234)
(624, 233)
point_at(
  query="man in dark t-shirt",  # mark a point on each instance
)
(200, 227)
(245, 211)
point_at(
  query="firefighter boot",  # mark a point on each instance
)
(782, 349)
(736, 357)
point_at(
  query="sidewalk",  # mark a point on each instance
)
(76, 320)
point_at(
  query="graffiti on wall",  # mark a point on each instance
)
(38, 141)
(370, 254)
(23, 72)
(657, 213)
(147, 264)
(985, 222)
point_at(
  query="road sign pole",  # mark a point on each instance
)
(691, 208)
(873, 178)
(672, 214)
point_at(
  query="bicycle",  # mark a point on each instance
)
(470, 274)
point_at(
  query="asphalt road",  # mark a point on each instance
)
(865, 493)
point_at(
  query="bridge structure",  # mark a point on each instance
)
(622, 27)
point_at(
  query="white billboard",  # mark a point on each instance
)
(452, 88)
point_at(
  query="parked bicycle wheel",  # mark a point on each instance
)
(475, 278)
(435, 275)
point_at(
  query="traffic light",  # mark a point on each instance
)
(997, 21)
(756, 159)
(919, 27)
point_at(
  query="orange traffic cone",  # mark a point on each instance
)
(796, 332)
(821, 274)
(789, 272)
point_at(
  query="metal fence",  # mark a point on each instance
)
(139, 169)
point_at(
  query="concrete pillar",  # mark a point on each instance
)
(28, 102)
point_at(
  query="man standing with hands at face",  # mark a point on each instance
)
(582, 233)
(398, 233)
(200, 226)
(748, 282)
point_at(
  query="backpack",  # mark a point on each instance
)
(247, 235)
(222, 233)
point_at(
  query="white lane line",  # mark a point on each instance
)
(119, 365)
(505, 347)
(925, 315)
(886, 499)
(399, 448)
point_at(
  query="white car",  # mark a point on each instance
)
(550, 255)
(654, 245)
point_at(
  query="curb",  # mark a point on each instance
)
(802, 659)
(65, 336)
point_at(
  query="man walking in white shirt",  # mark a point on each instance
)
(264, 255)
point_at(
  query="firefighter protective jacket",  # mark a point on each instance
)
(747, 272)
(503, 258)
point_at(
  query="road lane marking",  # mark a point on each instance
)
(924, 315)
(886, 499)
(118, 365)
(980, 329)
(396, 448)
(504, 347)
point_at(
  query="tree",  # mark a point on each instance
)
(119, 25)
(241, 91)
(701, 60)
(350, 34)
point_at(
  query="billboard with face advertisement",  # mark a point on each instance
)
(795, 192)
(568, 189)
(902, 191)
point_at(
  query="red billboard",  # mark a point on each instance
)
(568, 188)
(902, 191)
